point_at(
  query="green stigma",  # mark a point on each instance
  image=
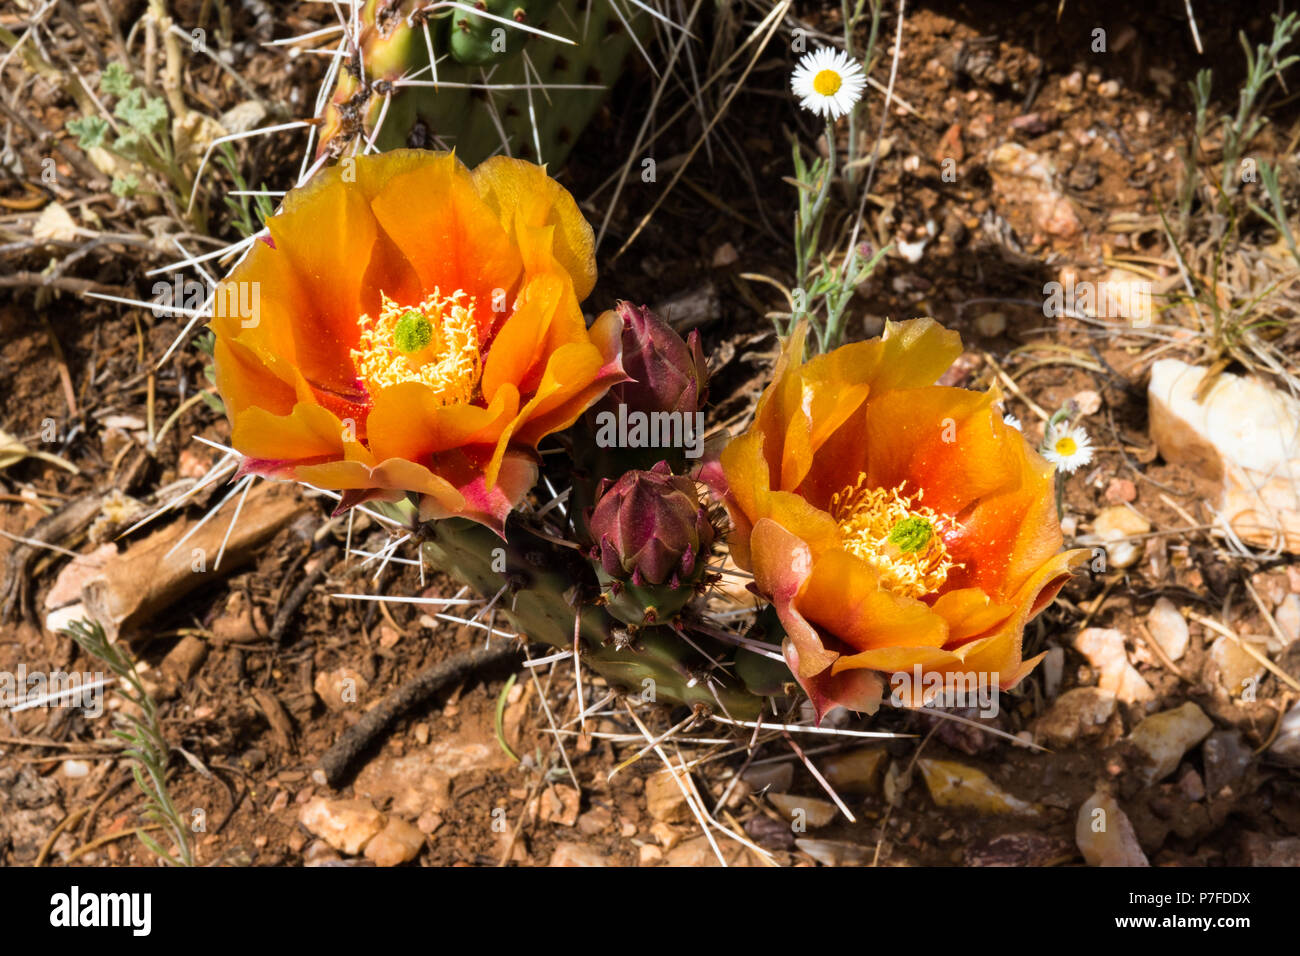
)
(412, 333)
(911, 534)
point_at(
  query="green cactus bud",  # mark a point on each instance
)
(546, 580)
(653, 539)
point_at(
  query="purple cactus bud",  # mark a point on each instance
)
(668, 374)
(651, 527)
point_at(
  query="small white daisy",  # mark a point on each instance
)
(1012, 421)
(829, 82)
(1069, 449)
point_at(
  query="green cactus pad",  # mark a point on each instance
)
(542, 578)
(480, 110)
(476, 41)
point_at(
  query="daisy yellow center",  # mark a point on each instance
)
(827, 82)
(434, 342)
(1066, 446)
(896, 535)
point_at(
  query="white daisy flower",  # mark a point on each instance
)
(829, 82)
(1012, 421)
(1069, 449)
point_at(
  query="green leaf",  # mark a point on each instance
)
(145, 116)
(90, 131)
(125, 186)
(116, 80)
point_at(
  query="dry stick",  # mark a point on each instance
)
(299, 594)
(71, 820)
(415, 691)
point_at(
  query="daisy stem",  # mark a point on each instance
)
(1060, 495)
(828, 174)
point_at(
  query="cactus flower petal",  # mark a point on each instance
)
(416, 329)
(904, 525)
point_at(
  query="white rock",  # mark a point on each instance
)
(1168, 628)
(1237, 671)
(1104, 648)
(67, 586)
(1076, 713)
(991, 324)
(57, 620)
(1166, 736)
(1115, 527)
(398, 842)
(346, 825)
(1245, 436)
(836, 852)
(810, 811)
(55, 223)
(1287, 616)
(341, 689)
(577, 854)
(1286, 746)
(1104, 834)
(1053, 670)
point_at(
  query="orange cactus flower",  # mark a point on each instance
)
(894, 524)
(414, 329)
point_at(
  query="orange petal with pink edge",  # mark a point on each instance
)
(522, 195)
(576, 377)
(408, 421)
(999, 652)
(856, 690)
(308, 433)
(463, 246)
(782, 564)
(546, 317)
(751, 499)
(488, 504)
(969, 612)
(842, 595)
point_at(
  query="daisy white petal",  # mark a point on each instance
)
(828, 82)
(1069, 449)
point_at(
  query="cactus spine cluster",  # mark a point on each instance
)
(493, 87)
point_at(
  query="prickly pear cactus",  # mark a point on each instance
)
(478, 40)
(553, 597)
(622, 580)
(493, 88)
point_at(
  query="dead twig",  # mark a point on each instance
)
(418, 689)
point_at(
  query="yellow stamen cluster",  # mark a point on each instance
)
(1066, 446)
(895, 535)
(434, 342)
(827, 82)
